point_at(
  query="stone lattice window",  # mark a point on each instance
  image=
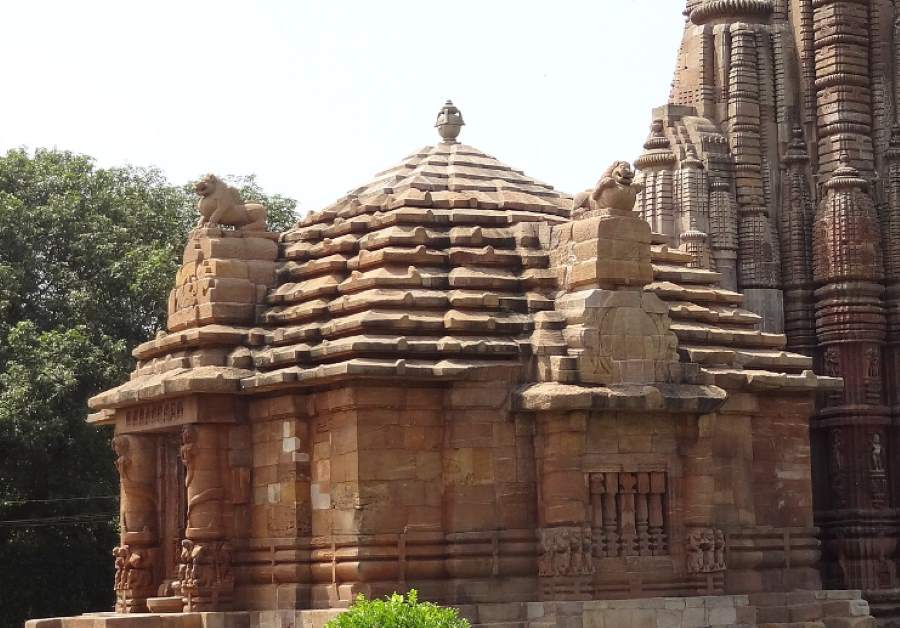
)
(629, 513)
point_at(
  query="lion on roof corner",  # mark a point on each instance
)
(616, 189)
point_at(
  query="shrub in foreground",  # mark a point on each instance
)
(397, 611)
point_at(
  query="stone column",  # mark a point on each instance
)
(137, 555)
(206, 581)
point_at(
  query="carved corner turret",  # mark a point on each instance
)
(224, 278)
(614, 331)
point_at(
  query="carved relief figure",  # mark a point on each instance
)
(877, 459)
(616, 189)
(120, 554)
(694, 553)
(705, 550)
(133, 578)
(205, 577)
(837, 455)
(188, 443)
(877, 473)
(203, 483)
(832, 362)
(184, 566)
(136, 467)
(221, 204)
(838, 484)
(720, 550)
(873, 361)
(566, 551)
(139, 570)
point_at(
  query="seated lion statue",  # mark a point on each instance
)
(221, 204)
(616, 189)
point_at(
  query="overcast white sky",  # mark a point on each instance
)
(316, 96)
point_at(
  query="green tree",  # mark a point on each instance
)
(87, 257)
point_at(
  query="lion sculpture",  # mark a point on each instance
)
(616, 189)
(221, 204)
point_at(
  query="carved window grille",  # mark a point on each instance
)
(629, 513)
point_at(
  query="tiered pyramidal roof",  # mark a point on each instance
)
(436, 268)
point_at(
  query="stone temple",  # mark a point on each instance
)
(669, 400)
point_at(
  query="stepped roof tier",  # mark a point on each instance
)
(437, 268)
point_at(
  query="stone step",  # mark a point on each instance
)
(505, 624)
(851, 622)
(795, 624)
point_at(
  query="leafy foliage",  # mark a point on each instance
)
(397, 611)
(87, 257)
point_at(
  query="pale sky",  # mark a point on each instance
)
(316, 96)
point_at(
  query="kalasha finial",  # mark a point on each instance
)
(449, 122)
(845, 175)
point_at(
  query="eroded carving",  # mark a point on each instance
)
(705, 550)
(205, 577)
(134, 578)
(221, 204)
(566, 551)
(615, 190)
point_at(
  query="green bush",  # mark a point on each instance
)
(397, 611)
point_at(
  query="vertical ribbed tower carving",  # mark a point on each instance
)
(890, 228)
(850, 324)
(789, 106)
(692, 195)
(656, 202)
(843, 84)
(758, 254)
(797, 212)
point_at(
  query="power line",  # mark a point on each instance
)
(51, 501)
(57, 521)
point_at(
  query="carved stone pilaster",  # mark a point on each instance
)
(205, 581)
(136, 556)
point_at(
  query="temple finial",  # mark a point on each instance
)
(449, 122)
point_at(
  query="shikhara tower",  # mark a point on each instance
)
(777, 161)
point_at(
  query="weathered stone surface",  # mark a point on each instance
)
(779, 146)
(461, 380)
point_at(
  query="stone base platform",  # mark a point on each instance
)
(801, 609)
